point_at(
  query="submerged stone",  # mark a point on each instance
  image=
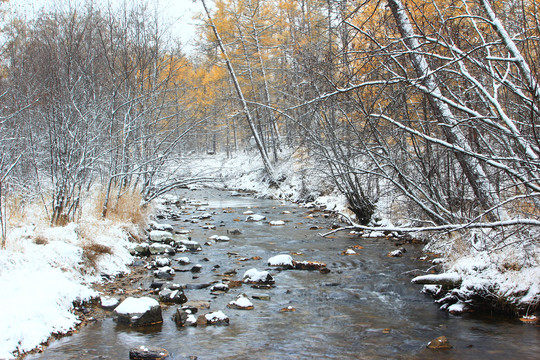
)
(440, 343)
(148, 353)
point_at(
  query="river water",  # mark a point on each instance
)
(365, 308)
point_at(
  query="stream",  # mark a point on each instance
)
(365, 308)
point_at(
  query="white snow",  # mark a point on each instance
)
(133, 305)
(457, 308)
(350, 252)
(191, 319)
(281, 260)
(277, 222)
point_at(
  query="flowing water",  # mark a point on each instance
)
(365, 308)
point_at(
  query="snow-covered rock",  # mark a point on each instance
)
(160, 236)
(138, 312)
(241, 303)
(172, 296)
(309, 265)
(190, 244)
(222, 238)
(256, 276)
(184, 317)
(162, 261)
(283, 260)
(255, 218)
(162, 227)
(165, 272)
(397, 253)
(183, 260)
(219, 288)
(141, 249)
(217, 318)
(108, 303)
(277, 222)
(158, 248)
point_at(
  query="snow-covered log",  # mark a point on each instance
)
(445, 279)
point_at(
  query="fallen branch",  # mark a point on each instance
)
(447, 228)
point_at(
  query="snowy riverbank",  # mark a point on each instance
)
(44, 270)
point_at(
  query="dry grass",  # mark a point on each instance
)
(15, 209)
(126, 208)
(92, 251)
(40, 240)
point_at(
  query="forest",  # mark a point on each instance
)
(435, 101)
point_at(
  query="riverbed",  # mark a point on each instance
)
(364, 308)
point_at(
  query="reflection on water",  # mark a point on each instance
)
(365, 308)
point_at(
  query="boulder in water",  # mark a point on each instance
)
(137, 312)
(184, 317)
(241, 303)
(254, 276)
(216, 318)
(283, 260)
(108, 303)
(172, 296)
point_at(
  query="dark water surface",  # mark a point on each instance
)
(366, 308)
